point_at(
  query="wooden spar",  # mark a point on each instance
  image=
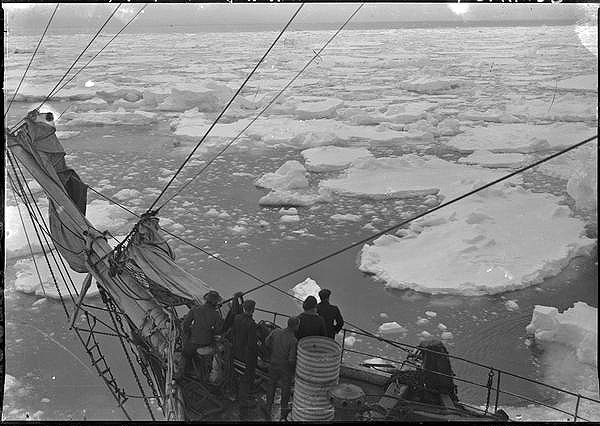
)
(147, 315)
(87, 282)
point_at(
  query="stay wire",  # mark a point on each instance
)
(31, 61)
(226, 107)
(52, 92)
(206, 166)
(97, 54)
(391, 228)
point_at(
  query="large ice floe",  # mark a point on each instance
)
(524, 138)
(29, 282)
(495, 160)
(285, 131)
(576, 328)
(500, 239)
(406, 176)
(332, 158)
(106, 118)
(567, 107)
(580, 169)
(291, 175)
(102, 215)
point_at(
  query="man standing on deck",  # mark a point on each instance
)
(200, 327)
(311, 324)
(330, 314)
(245, 349)
(283, 344)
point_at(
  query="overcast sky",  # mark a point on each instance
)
(30, 17)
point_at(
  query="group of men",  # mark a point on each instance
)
(203, 325)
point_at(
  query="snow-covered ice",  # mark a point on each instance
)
(511, 305)
(587, 82)
(291, 175)
(576, 327)
(106, 216)
(391, 328)
(332, 158)
(430, 85)
(407, 176)
(346, 217)
(298, 198)
(524, 138)
(500, 239)
(308, 287)
(28, 281)
(492, 159)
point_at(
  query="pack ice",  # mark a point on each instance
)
(499, 239)
(332, 158)
(524, 138)
(576, 327)
(406, 176)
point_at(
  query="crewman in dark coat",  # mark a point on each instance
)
(330, 314)
(200, 326)
(245, 349)
(311, 324)
(283, 344)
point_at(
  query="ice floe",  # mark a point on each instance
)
(291, 175)
(511, 305)
(308, 108)
(576, 328)
(332, 158)
(495, 160)
(15, 237)
(346, 217)
(308, 287)
(587, 82)
(120, 117)
(391, 328)
(430, 85)
(567, 107)
(27, 280)
(406, 176)
(298, 198)
(524, 138)
(106, 216)
(500, 239)
(127, 194)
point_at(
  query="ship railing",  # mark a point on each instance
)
(492, 385)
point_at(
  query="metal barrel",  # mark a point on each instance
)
(317, 371)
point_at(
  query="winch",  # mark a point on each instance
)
(347, 399)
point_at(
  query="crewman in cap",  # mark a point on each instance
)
(330, 314)
(245, 349)
(311, 324)
(200, 327)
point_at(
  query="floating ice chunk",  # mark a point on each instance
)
(303, 198)
(308, 287)
(311, 109)
(583, 184)
(106, 216)
(511, 305)
(39, 301)
(28, 282)
(289, 218)
(442, 327)
(223, 215)
(422, 321)
(109, 118)
(484, 249)
(491, 159)
(407, 112)
(563, 108)
(349, 341)
(576, 328)
(588, 82)
(67, 134)
(346, 217)
(383, 315)
(291, 175)
(406, 176)
(263, 223)
(391, 328)
(332, 158)
(290, 211)
(446, 335)
(524, 138)
(425, 334)
(127, 194)
(448, 127)
(431, 314)
(212, 213)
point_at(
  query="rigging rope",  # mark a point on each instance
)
(226, 107)
(206, 166)
(31, 60)
(52, 92)
(96, 55)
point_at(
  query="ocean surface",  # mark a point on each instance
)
(362, 68)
